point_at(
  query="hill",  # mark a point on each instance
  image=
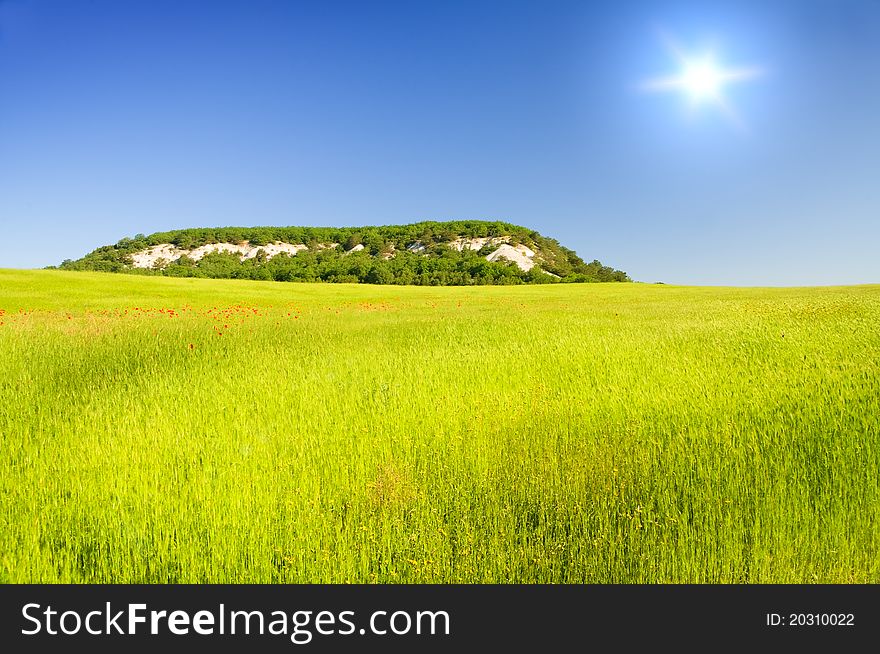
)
(457, 253)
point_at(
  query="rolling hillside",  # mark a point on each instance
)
(460, 253)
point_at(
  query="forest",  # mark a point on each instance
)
(333, 255)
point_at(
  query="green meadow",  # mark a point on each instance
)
(186, 430)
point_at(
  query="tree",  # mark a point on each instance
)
(352, 242)
(380, 274)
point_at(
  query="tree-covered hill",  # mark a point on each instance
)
(426, 253)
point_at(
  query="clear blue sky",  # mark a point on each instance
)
(138, 116)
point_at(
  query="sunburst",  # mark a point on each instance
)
(703, 80)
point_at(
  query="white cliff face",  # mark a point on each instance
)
(165, 253)
(476, 243)
(521, 255)
(149, 257)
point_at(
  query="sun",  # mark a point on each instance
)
(702, 79)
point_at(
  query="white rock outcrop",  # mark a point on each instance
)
(521, 255)
(166, 252)
(163, 254)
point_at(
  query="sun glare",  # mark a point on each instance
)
(702, 80)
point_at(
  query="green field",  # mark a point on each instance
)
(182, 430)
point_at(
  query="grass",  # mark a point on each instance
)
(171, 430)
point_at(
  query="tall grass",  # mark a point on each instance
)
(164, 430)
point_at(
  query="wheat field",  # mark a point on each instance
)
(165, 430)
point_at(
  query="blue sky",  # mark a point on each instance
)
(139, 116)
